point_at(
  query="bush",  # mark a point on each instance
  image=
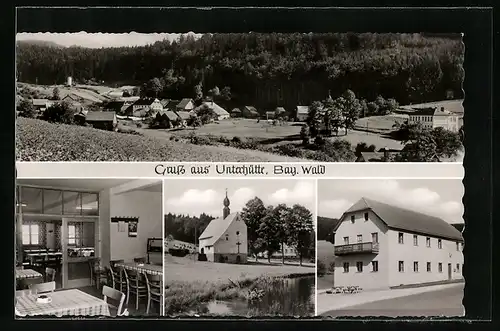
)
(321, 268)
(199, 140)
(289, 150)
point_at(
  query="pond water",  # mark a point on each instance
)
(283, 296)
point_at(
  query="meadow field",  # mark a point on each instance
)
(37, 140)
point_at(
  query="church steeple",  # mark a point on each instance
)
(226, 211)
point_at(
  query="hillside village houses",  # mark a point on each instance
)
(381, 246)
(435, 117)
(302, 113)
(146, 105)
(225, 238)
(104, 120)
(41, 104)
(185, 104)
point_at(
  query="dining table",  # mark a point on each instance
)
(151, 269)
(70, 302)
(27, 273)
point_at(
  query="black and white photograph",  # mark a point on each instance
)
(390, 248)
(74, 256)
(230, 97)
(237, 247)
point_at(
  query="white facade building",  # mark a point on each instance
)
(382, 246)
(432, 118)
(225, 238)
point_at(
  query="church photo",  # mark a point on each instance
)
(239, 247)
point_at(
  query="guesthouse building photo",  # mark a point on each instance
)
(88, 247)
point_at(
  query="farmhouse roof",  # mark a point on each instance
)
(251, 109)
(184, 102)
(216, 228)
(164, 102)
(72, 97)
(101, 116)
(302, 109)
(218, 110)
(145, 102)
(171, 115)
(236, 110)
(407, 220)
(40, 102)
(183, 115)
(371, 157)
(431, 111)
(280, 110)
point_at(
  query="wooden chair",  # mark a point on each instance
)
(50, 275)
(115, 295)
(43, 287)
(113, 262)
(140, 260)
(19, 267)
(117, 279)
(154, 284)
(135, 286)
(23, 293)
(97, 273)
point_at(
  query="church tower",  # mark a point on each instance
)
(226, 211)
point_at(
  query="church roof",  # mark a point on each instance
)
(407, 220)
(216, 229)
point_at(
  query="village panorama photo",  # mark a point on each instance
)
(240, 247)
(390, 248)
(262, 97)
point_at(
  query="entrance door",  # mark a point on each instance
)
(449, 271)
(79, 245)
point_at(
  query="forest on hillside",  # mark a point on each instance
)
(186, 228)
(264, 70)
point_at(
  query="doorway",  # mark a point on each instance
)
(449, 271)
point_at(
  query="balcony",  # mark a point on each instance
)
(358, 248)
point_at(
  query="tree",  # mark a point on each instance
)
(56, 94)
(350, 110)
(252, 214)
(363, 147)
(198, 93)
(333, 115)
(280, 214)
(225, 94)
(26, 109)
(153, 87)
(315, 118)
(269, 232)
(214, 93)
(61, 112)
(305, 135)
(300, 226)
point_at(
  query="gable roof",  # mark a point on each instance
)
(71, 96)
(164, 102)
(372, 156)
(218, 110)
(170, 115)
(100, 116)
(236, 110)
(251, 109)
(183, 115)
(216, 228)
(184, 102)
(40, 102)
(407, 220)
(145, 102)
(280, 110)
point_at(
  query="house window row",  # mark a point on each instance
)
(353, 218)
(422, 118)
(401, 266)
(401, 237)
(359, 238)
(359, 266)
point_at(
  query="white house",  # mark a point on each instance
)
(185, 105)
(302, 113)
(142, 106)
(431, 118)
(381, 246)
(225, 238)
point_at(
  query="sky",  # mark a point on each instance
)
(98, 40)
(197, 196)
(436, 197)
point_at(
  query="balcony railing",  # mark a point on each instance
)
(357, 248)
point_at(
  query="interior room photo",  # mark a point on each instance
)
(88, 247)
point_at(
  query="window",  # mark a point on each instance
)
(415, 266)
(428, 267)
(375, 237)
(227, 237)
(366, 216)
(440, 267)
(374, 266)
(428, 241)
(346, 240)
(401, 266)
(30, 234)
(440, 244)
(352, 219)
(360, 238)
(346, 266)
(400, 238)
(458, 267)
(359, 266)
(458, 247)
(415, 240)
(71, 235)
